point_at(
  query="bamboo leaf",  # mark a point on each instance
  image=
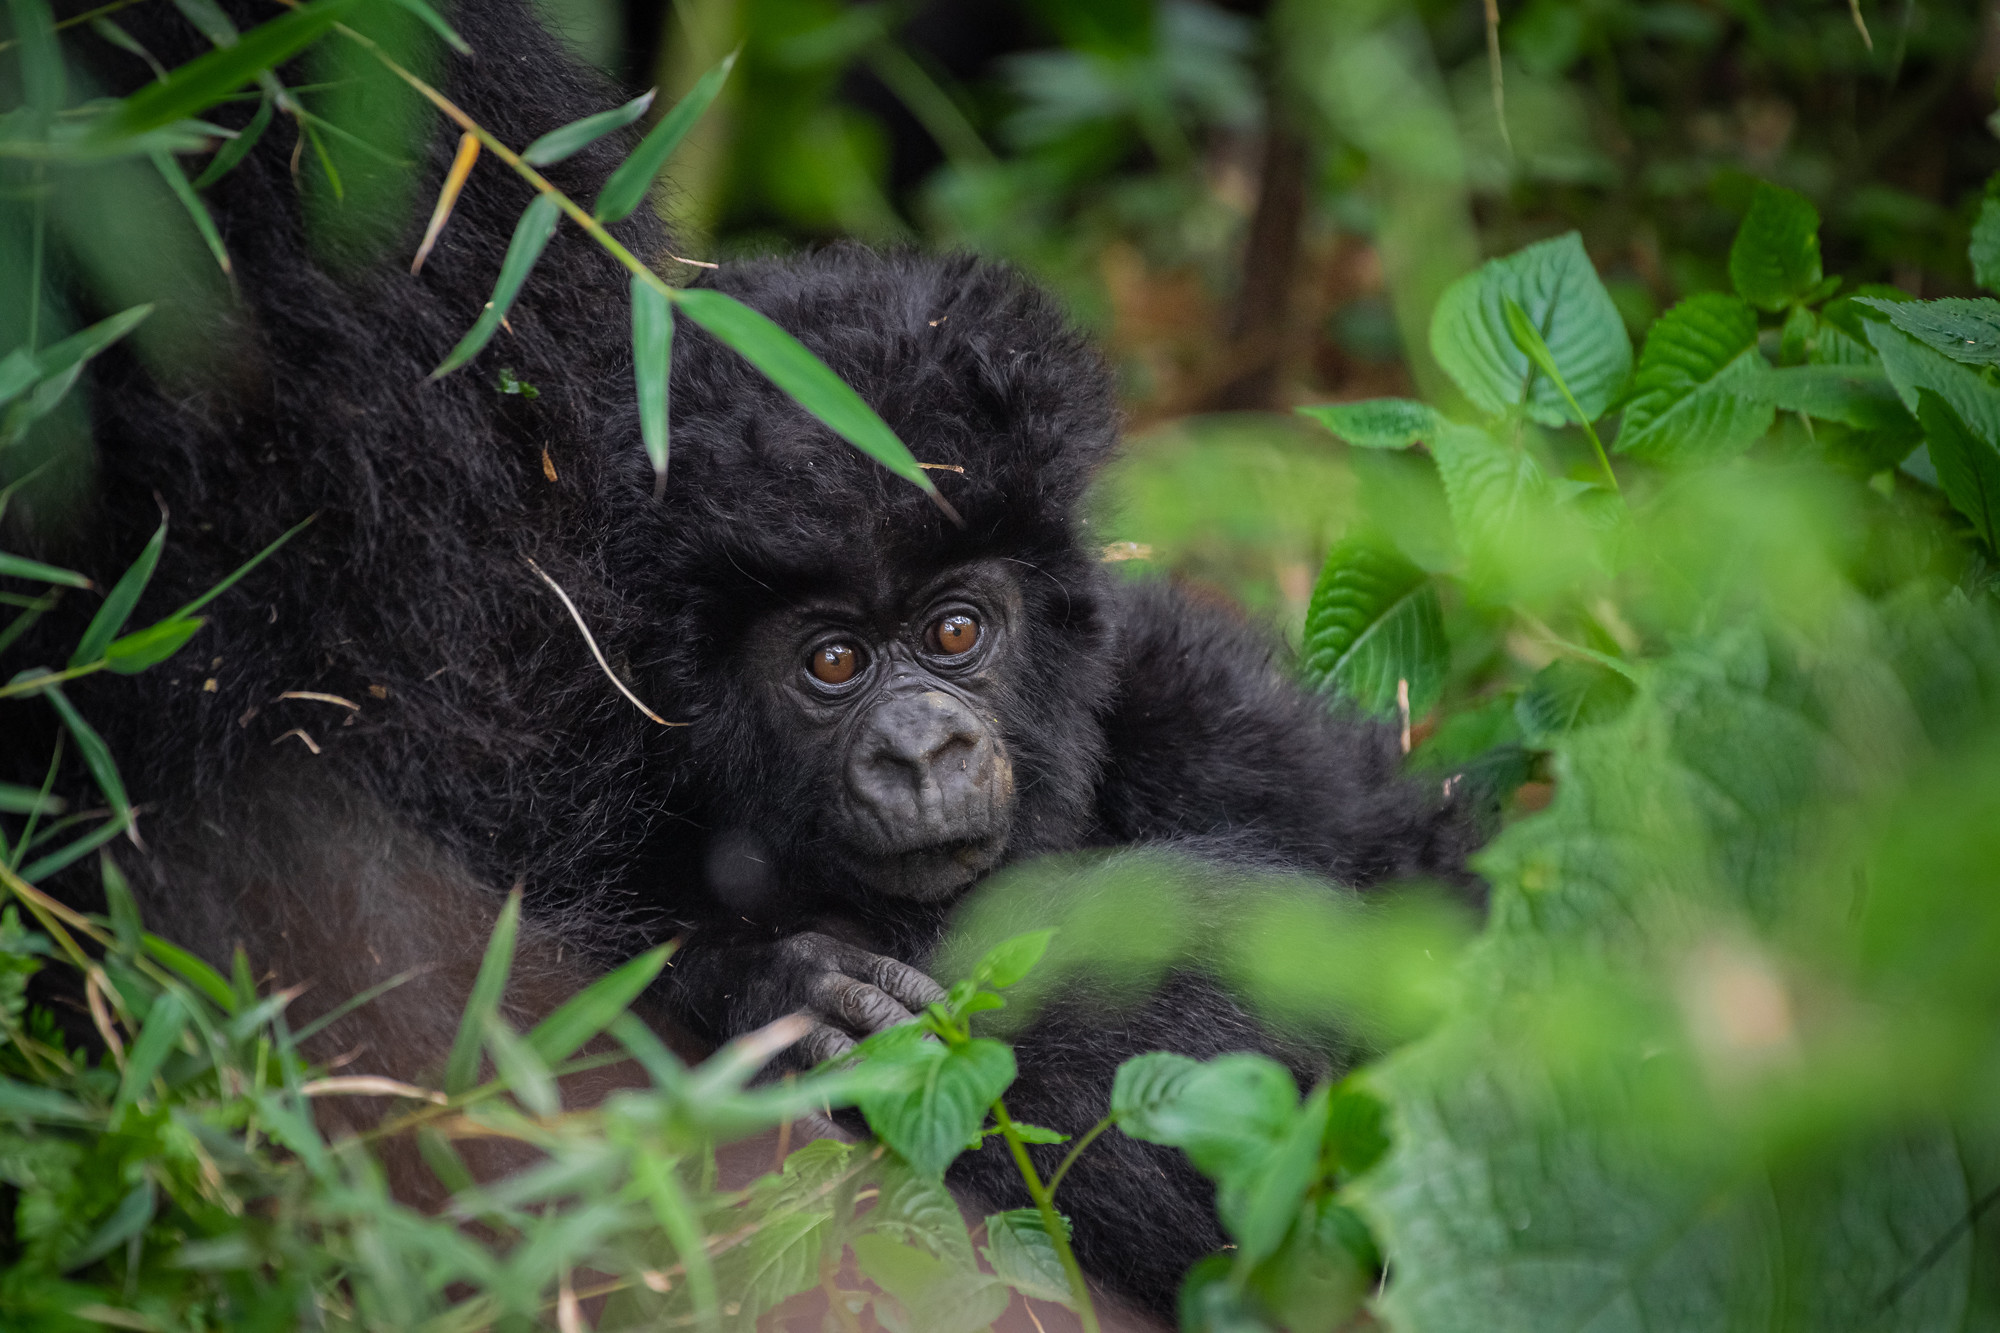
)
(44, 83)
(628, 184)
(652, 360)
(186, 611)
(785, 360)
(150, 646)
(208, 79)
(435, 22)
(531, 234)
(118, 603)
(578, 135)
(454, 181)
(164, 1022)
(462, 1065)
(18, 567)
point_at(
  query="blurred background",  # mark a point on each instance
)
(1255, 205)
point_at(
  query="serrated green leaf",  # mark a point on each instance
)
(590, 1011)
(462, 1065)
(1968, 465)
(1495, 493)
(208, 79)
(1375, 620)
(627, 186)
(652, 366)
(578, 135)
(933, 1296)
(1688, 403)
(537, 224)
(150, 646)
(789, 365)
(1559, 292)
(1259, 1206)
(1009, 961)
(1567, 694)
(118, 603)
(1965, 329)
(1774, 259)
(1024, 1257)
(1911, 366)
(939, 1106)
(1984, 250)
(1376, 423)
(1225, 1113)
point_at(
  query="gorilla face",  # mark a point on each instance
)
(896, 702)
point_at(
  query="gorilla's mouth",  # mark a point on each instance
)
(929, 874)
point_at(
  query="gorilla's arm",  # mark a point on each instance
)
(1208, 739)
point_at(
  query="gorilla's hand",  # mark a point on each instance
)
(847, 992)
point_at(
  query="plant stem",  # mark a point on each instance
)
(1056, 1180)
(1079, 1290)
(36, 684)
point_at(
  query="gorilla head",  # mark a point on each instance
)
(886, 704)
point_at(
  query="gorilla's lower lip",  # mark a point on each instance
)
(927, 874)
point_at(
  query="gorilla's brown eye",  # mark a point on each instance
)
(834, 664)
(951, 635)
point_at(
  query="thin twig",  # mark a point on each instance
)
(595, 651)
(321, 698)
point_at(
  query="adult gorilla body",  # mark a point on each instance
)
(880, 706)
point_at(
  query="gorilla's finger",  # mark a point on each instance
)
(856, 1004)
(823, 1043)
(910, 987)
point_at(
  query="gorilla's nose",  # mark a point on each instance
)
(928, 770)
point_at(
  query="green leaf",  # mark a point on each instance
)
(120, 906)
(531, 233)
(14, 566)
(209, 20)
(208, 79)
(150, 646)
(1376, 423)
(96, 754)
(578, 135)
(1985, 248)
(937, 1106)
(1007, 962)
(935, 1295)
(27, 1101)
(233, 151)
(1496, 494)
(1028, 1133)
(1375, 620)
(242, 569)
(785, 360)
(118, 603)
(17, 800)
(652, 366)
(177, 181)
(44, 84)
(157, 1038)
(1559, 292)
(70, 853)
(1024, 1256)
(1912, 367)
(127, 1220)
(1261, 1205)
(1567, 694)
(461, 1067)
(58, 358)
(435, 22)
(520, 1070)
(627, 187)
(1774, 259)
(1225, 1113)
(1965, 329)
(1689, 403)
(1968, 465)
(194, 971)
(590, 1011)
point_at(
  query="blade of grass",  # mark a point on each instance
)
(14, 566)
(235, 150)
(43, 866)
(462, 1065)
(193, 970)
(591, 1010)
(118, 603)
(531, 233)
(187, 611)
(149, 647)
(96, 754)
(626, 189)
(652, 361)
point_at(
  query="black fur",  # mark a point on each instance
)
(488, 735)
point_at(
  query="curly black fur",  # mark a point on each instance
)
(484, 726)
